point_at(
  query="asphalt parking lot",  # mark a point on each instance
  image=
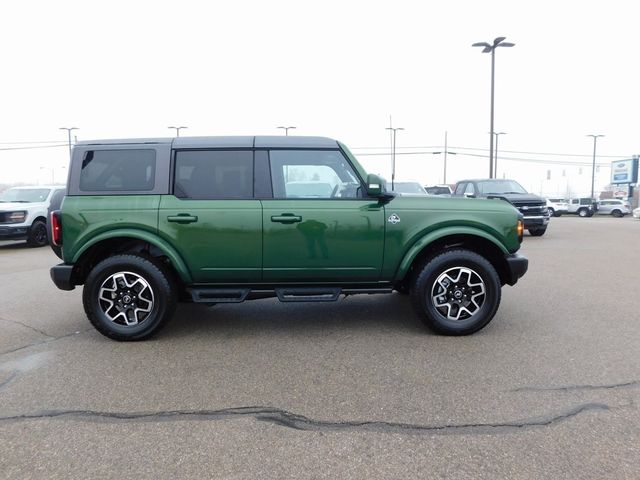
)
(353, 389)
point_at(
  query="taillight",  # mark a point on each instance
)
(56, 228)
(520, 230)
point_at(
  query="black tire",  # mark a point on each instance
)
(552, 213)
(159, 295)
(537, 232)
(617, 214)
(427, 282)
(37, 236)
(583, 212)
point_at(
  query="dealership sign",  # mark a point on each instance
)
(624, 171)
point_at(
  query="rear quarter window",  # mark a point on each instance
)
(118, 170)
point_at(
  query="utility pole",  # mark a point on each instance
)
(286, 130)
(69, 129)
(393, 154)
(495, 168)
(177, 129)
(593, 169)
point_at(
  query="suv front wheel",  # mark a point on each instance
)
(456, 293)
(129, 297)
(37, 236)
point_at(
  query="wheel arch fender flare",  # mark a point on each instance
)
(174, 257)
(441, 234)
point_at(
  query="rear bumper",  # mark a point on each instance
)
(61, 276)
(517, 266)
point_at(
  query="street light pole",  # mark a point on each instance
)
(444, 176)
(593, 169)
(286, 130)
(491, 48)
(393, 154)
(495, 168)
(177, 129)
(68, 129)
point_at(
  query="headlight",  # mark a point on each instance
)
(15, 217)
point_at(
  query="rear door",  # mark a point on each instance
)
(319, 227)
(212, 218)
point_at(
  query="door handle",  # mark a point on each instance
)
(286, 218)
(182, 218)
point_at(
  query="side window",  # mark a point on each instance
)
(313, 174)
(469, 190)
(460, 188)
(118, 170)
(213, 174)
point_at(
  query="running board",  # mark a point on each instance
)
(219, 295)
(284, 294)
(308, 294)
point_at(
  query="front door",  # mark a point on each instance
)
(319, 227)
(212, 219)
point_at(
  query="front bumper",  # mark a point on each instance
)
(536, 222)
(13, 233)
(61, 276)
(517, 266)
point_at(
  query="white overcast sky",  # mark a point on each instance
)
(332, 68)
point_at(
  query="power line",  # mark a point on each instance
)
(452, 147)
(31, 148)
(514, 159)
(32, 143)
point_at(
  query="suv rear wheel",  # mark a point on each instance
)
(456, 293)
(129, 297)
(583, 212)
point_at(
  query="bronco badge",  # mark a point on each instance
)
(393, 218)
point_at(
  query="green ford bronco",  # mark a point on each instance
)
(149, 222)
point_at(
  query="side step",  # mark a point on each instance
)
(308, 294)
(219, 295)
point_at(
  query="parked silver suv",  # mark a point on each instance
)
(614, 207)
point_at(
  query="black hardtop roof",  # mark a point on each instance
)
(275, 141)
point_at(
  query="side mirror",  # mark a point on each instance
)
(375, 185)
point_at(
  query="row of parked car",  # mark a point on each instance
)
(587, 207)
(583, 207)
(23, 210)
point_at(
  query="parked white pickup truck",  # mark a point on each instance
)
(23, 213)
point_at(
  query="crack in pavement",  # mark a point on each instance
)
(294, 421)
(567, 388)
(37, 330)
(12, 376)
(43, 342)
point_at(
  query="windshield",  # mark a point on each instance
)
(25, 195)
(407, 187)
(487, 187)
(437, 190)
